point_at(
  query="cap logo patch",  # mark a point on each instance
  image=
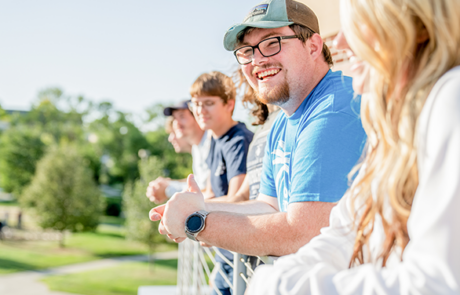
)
(258, 10)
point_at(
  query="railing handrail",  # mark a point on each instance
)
(193, 267)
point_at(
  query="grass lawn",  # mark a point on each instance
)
(22, 256)
(8, 203)
(123, 279)
(107, 241)
(112, 220)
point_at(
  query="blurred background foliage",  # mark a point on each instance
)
(138, 226)
(93, 145)
(63, 193)
(77, 171)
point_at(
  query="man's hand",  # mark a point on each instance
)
(156, 190)
(174, 213)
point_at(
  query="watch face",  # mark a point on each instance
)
(194, 223)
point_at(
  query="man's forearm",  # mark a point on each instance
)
(247, 207)
(229, 199)
(267, 234)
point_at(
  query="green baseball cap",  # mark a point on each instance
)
(270, 14)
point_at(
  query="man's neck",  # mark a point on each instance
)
(297, 97)
(223, 128)
(197, 136)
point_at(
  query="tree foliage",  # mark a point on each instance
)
(24, 143)
(108, 141)
(136, 205)
(63, 193)
(118, 142)
(175, 166)
(20, 149)
(56, 118)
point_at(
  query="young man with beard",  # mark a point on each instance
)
(312, 146)
(183, 128)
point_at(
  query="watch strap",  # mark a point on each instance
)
(191, 236)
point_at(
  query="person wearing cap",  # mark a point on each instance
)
(183, 128)
(312, 146)
(179, 143)
(163, 188)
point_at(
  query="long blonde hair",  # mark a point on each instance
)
(409, 45)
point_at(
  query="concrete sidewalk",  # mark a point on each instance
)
(157, 290)
(26, 283)
(168, 290)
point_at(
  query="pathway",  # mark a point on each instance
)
(27, 283)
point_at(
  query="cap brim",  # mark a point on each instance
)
(232, 33)
(168, 111)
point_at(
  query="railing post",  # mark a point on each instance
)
(196, 274)
(239, 285)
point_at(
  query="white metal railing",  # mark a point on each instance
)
(193, 268)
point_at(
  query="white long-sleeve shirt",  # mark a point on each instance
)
(431, 260)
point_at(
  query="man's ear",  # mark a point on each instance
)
(315, 44)
(231, 104)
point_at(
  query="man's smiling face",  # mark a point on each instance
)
(273, 78)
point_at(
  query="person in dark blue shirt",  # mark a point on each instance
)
(227, 157)
(213, 101)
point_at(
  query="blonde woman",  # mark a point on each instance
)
(397, 230)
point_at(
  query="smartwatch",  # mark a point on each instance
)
(195, 223)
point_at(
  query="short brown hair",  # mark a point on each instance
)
(302, 32)
(214, 84)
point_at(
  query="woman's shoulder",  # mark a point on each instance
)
(446, 91)
(443, 103)
(439, 122)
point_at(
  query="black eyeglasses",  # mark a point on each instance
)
(194, 105)
(267, 48)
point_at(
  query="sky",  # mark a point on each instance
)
(133, 53)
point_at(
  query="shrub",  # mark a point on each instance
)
(63, 193)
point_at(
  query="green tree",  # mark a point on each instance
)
(55, 114)
(20, 149)
(117, 142)
(176, 166)
(63, 193)
(136, 205)
(23, 144)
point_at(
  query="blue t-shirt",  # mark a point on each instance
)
(308, 155)
(227, 157)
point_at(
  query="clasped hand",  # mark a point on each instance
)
(174, 213)
(156, 191)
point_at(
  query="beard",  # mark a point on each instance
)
(278, 95)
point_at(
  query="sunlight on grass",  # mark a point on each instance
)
(107, 241)
(8, 204)
(112, 220)
(124, 279)
(21, 256)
